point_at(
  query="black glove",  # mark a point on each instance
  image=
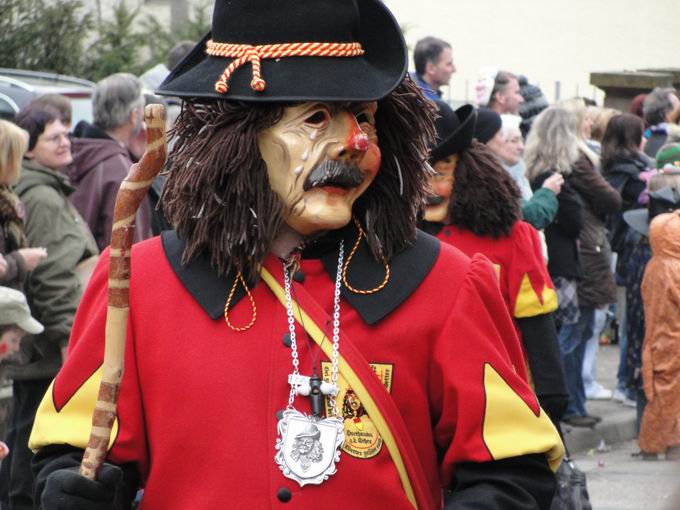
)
(67, 489)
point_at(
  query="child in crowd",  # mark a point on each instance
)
(15, 322)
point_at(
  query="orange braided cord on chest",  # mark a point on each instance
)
(242, 53)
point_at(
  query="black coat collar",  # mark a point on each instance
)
(408, 269)
(431, 227)
(199, 278)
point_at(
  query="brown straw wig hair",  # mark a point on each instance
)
(218, 195)
(485, 198)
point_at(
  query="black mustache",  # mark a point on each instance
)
(434, 200)
(334, 173)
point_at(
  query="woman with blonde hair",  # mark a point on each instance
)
(577, 246)
(584, 128)
(17, 259)
(600, 122)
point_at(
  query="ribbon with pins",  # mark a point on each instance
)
(242, 53)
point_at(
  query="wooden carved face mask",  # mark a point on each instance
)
(320, 158)
(441, 184)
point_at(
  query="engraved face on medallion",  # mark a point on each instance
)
(307, 448)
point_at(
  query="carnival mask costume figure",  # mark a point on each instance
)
(474, 207)
(295, 274)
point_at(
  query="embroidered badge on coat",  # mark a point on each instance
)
(362, 440)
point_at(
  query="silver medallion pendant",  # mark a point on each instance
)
(308, 447)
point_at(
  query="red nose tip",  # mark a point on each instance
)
(360, 142)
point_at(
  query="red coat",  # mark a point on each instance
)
(530, 297)
(522, 274)
(198, 405)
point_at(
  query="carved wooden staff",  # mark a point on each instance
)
(132, 190)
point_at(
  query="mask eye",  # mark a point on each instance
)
(317, 119)
(365, 117)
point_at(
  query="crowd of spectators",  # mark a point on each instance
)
(591, 179)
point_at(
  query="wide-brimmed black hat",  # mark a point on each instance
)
(661, 201)
(454, 130)
(344, 26)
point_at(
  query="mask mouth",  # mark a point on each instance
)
(434, 200)
(337, 174)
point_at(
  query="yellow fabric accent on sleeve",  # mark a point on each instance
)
(510, 426)
(71, 425)
(354, 382)
(528, 303)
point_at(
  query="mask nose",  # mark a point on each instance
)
(359, 142)
(353, 143)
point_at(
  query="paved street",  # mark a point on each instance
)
(618, 481)
(618, 421)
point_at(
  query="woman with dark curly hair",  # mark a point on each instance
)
(476, 208)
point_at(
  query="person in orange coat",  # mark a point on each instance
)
(660, 429)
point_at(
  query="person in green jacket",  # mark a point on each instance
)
(53, 288)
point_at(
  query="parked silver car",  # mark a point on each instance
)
(18, 87)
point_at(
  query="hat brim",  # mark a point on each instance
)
(638, 220)
(460, 139)
(369, 77)
(31, 326)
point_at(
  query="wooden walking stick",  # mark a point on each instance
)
(132, 190)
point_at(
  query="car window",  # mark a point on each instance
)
(7, 107)
(81, 109)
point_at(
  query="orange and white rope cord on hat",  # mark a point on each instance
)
(243, 53)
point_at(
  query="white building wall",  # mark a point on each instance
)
(547, 40)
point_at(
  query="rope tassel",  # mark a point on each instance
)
(243, 53)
